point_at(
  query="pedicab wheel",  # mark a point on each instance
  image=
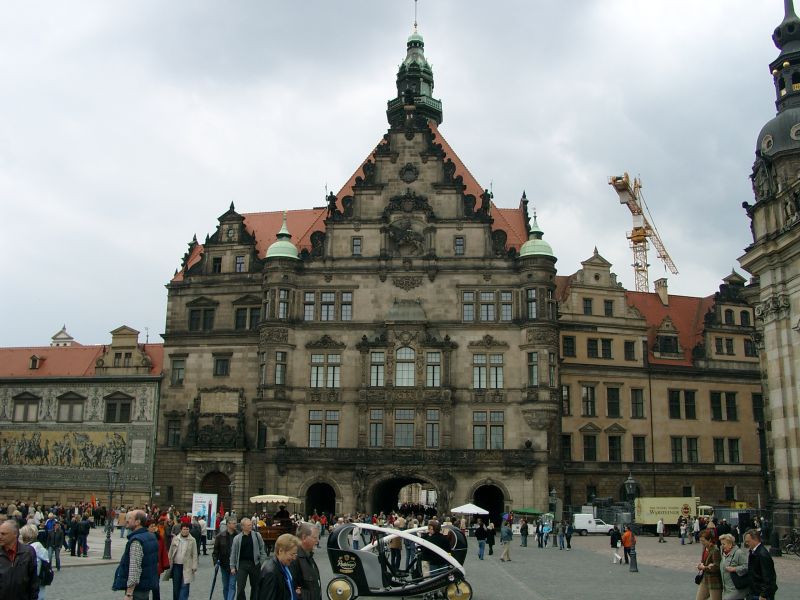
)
(459, 590)
(340, 588)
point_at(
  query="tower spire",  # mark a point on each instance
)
(415, 16)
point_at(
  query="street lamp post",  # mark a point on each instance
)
(231, 487)
(554, 509)
(630, 488)
(113, 476)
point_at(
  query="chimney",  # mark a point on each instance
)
(661, 290)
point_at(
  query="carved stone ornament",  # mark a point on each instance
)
(218, 434)
(279, 335)
(409, 173)
(276, 418)
(542, 336)
(325, 342)
(488, 341)
(775, 307)
(402, 233)
(407, 282)
(205, 467)
(408, 202)
(538, 418)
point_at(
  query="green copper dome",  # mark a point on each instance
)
(536, 246)
(283, 246)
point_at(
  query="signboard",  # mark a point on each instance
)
(205, 505)
(138, 451)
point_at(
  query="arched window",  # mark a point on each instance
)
(782, 86)
(729, 317)
(404, 367)
(796, 81)
(744, 318)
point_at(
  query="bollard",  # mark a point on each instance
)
(632, 556)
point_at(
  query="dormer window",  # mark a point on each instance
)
(216, 264)
(667, 344)
(229, 233)
(35, 362)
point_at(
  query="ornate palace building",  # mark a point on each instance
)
(409, 332)
(69, 413)
(774, 260)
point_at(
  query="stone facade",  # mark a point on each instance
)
(69, 413)
(774, 260)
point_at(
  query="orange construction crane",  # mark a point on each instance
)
(642, 230)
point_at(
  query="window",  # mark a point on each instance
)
(118, 409)
(551, 367)
(239, 264)
(608, 308)
(280, 367)
(728, 316)
(468, 306)
(479, 371)
(70, 409)
(308, 306)
(496, 371)
(744, 318)
(404, 428)
(676, 444)
(590, 447)
(729, 346)
(506, 307)
(566, 408)
(404, 367)
(432, 428)
(687, 490)
(614, 448)
(552, 312)
(591, 348)
(757, 401)
(731, 413)
(216, 264)
(247, 318)
(376, 428)
(174, 433)
(718, 345)
(346, 308)
(587, 306)
(749, 347)
(612, 402)
(458, 245)
(733, 451)
(283, 304)
(637, 403)
(639, 449)
(568, 345)
(26, 410)
(117, 359)
(240, 319)
(325, 370)
(323, 429)
(496, 430)
(376, 369)
(433, 369)
(630, 350)
(730, 493)
(487, 306)
(719, 450)
(674, 404)
(691, 450)
(689, 406)
(533, 369)
(531, 303)
(126, 359)
(200, 319)
(178, 371)
(327, 309)
(356, 246)
(591, 493)
(261, 435)
(222, 366)
(566, 447)
(716, 406)
(588, 400)
(605, 346)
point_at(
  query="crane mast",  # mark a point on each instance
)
(643, 230)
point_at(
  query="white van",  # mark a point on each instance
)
(584, 524)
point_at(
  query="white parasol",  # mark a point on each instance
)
(469, 509)
(275, 499)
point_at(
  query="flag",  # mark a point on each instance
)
(94, 501)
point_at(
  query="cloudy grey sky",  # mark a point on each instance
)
(128, 126)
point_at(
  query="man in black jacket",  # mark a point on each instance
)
(305, 572)
(18, 578)
(763, 582)
(222, 554)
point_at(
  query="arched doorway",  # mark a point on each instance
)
(386, 495)
(217, 483)
(320, 497)
(491, 498)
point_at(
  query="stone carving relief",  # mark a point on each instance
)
(537, 418)
(279, 335)
(488, 341)
(91, 450)
(545, 337)
(775, 307)
(405, 238)
(325, 341)
(763, 177)
(409, 202)
(203, 468)
(409, 173)
(408, 282)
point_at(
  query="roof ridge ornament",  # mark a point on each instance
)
(789, 29)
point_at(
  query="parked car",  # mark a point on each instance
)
(587, 523)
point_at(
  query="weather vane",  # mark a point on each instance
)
(415, 16)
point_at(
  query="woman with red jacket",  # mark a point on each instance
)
(163, 556)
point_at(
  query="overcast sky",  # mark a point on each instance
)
(128, 126)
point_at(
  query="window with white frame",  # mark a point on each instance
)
(376, 428)
(325, 370)
(433, 369)
(404, 367)
(404, 427)
(377, 362)
(432, 428)
(323, 428)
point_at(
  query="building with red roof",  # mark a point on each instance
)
(69, 413)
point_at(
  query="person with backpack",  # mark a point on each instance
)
(44, 571)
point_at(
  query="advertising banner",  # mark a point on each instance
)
(205, 505)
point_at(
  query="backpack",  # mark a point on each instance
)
(46, 574)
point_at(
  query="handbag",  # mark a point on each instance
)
(166, 575)
(740, 582)
(699, 577)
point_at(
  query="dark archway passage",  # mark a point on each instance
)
(217, 483)
(320, 497)
(385, 495)
(491, 498)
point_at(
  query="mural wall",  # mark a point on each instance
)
(93, 450)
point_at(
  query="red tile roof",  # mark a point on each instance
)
(264, 226)
(64, 361)
(687, 314)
